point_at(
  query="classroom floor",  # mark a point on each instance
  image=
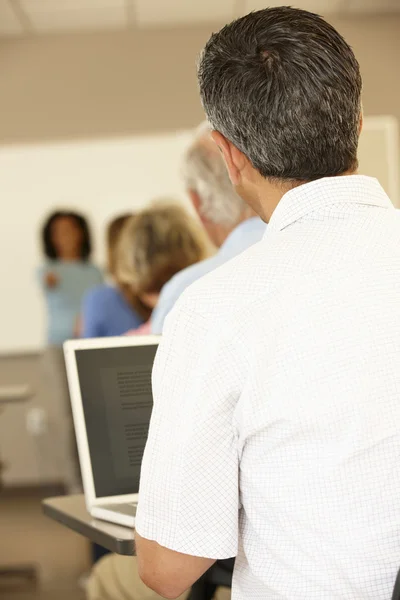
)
(27, 536)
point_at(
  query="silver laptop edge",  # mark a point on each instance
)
(99, 507)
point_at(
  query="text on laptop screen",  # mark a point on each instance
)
(117, 401)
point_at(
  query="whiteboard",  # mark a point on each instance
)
(103, 178)
(100, 178)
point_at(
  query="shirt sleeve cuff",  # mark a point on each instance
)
(161, 533)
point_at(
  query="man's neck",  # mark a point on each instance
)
(270, 193)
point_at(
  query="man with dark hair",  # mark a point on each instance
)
(274, 435)
(285, 89)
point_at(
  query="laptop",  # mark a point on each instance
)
(109, 382)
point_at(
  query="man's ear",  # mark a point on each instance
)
(361, 123)
(235, 160)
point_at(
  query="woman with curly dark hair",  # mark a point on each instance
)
(67, 273)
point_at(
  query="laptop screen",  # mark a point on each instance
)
(117, 401)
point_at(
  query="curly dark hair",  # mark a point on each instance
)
(48, 246)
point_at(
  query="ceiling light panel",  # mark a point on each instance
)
(178, 12)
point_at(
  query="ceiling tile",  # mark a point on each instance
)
(322, 7)
(9, 23)
(46, 16)
(177, 12)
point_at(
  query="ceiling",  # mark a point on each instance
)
(38, 17)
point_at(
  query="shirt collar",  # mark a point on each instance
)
(302, 200)
(238, 239)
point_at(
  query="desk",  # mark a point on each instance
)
(71, 512)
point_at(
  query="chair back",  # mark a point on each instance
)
(396, 591)
(219, 575)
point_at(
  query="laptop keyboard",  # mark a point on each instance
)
(125, 508)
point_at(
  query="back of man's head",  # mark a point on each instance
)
(284, 87)
(205, 173)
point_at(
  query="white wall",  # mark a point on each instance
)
(378, 153)
(103, 84)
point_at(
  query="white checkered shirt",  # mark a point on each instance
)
(275, 433)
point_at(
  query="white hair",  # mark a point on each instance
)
(205, 172)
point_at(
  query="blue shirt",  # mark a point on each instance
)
(64, 300)
(105, 313)
(244, 235)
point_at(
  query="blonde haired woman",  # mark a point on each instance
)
(112, 308)
(156, 244)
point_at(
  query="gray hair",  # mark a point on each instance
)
(205, 172)
(284, 87)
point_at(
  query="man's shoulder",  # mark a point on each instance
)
(185, 278)
(173, 290)
(258, 271)
(226, 284)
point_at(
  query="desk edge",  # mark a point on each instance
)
(119, 546)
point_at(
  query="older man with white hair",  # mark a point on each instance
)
(230, 223)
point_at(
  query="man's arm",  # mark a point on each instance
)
(165, 571)
(189, 488)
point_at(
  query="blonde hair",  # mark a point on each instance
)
(113, 235)
(157, 243)
(114, 230)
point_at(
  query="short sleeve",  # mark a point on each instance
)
(189, 499)
(41, 273)
(91, 319)
(98, 277)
